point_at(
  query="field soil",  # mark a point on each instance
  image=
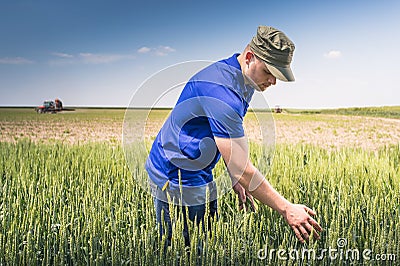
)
(324, 130)
(332, 131)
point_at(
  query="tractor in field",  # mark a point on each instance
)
(278, 109)
(50, 107)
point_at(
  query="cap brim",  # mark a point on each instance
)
(281, 73)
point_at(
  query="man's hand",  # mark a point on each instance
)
(242, 196)
(299, 219)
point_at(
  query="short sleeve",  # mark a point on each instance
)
(223, 108)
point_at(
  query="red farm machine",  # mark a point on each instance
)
(50, 107)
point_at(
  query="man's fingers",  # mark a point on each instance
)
(243, 197)
(310, 211)
(304, 226)
(308, 227)
(312, 232)
(315, 224)
(251, 199)
(298, 234)
(240, 204)
(304, 232)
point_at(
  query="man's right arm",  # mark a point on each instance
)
(235, 153)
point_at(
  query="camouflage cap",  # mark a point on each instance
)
(276, 50)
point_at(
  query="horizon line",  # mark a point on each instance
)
(171, 107)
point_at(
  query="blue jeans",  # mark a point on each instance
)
(194, 213)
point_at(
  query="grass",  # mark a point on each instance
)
(384, 111)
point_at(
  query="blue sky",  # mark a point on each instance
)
(97, 53)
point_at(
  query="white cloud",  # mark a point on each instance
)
(158, 51)
(88, 58)
(104, 58)
(101, 58)
(167, 49)
(15, 61)
(62, 62)
(333, 54)
(144, 50)
(63, 55)
(164, 50)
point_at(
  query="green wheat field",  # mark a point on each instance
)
(69, 198)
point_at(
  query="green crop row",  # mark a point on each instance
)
(80, 204)
(384, 111)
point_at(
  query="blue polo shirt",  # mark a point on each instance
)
(212, 103)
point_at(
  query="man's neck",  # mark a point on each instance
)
(241, 61)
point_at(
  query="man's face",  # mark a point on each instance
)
(258, 72)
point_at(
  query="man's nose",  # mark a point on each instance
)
(272, 80)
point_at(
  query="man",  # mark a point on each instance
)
(206, 123)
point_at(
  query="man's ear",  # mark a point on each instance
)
(249, 56)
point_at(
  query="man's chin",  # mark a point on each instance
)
(261, 88)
